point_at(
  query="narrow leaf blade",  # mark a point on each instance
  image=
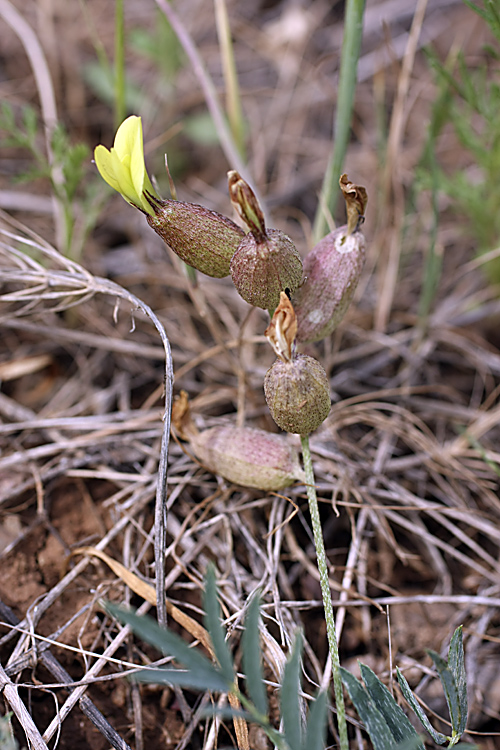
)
(449, 687)
(214, 627)
(252, 662)
(225, 712)
(290, 709)
(168, 643)
(397, 721)
(412, 744)
(439, 738)
(456, 662)
(195, 679)
(316, 724)
(372, 718)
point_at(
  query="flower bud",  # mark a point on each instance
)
(296, 386)
(204, 239)
(123, 166)
(331, 271)
(248, 456)
(262, 268)
(266, 262)
(297, 394)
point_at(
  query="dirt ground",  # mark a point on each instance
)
(407, 462)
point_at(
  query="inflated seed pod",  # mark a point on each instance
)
(204, 239)
(248, 456)
(243, 455)
(266, 262)
(263, 267)
(297, 394)
(331, 271)
(296, 386)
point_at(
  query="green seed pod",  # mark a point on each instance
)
(297, 393)
(263, 266)
(204, 239)
(248, 456)
(331, 273)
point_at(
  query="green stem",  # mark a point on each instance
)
(351, 46)
(120, 108)
(325, 590)
(69, 225)
(233, 97)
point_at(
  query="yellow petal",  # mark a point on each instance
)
(126, 135)
(123, 167)
(129, 140)
(103, 162)
(137, 166)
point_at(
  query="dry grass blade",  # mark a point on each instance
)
(57, 287)
(11, 694)
(407, 465)
(148, 593)
(86, 705)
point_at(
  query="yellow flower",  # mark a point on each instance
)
(123, 167)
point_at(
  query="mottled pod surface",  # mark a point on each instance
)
(264, 267)
(298, 394)
(331, 273)
(248, 456)
(204, 239)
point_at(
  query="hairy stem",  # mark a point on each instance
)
(325, 590)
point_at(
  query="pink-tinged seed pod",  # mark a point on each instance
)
(204, 239)
(297, 394)
(332, 270)
(265, 265)
(248, 456)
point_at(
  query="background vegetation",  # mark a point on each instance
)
(406, 463)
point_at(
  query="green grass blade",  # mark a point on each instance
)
(398, 723)
(456, 663)
(449, 687)
(170, 643)
(290, 709)
(439, 738)
(194, 679)
(372, 718)
(119, 79)
(233, 98)
(226, 713)
(252, 661)
(351, 46)
(316, 724)
(413, 744)
(214, 627)
(490, 14)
